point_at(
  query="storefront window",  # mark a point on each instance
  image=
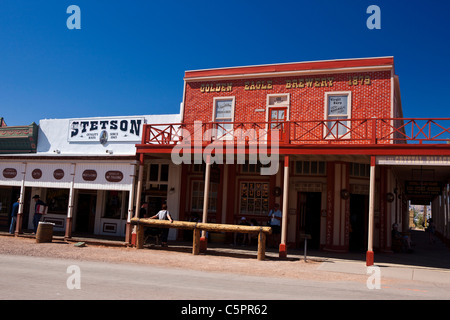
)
(113, 205)
(254, 198)
(57, 201)
(198, 190)
(5, 202)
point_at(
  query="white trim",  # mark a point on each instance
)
(349, 109)
(290, 73)
(292, 63)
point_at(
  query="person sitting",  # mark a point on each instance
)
(403, 240)
(242, 237)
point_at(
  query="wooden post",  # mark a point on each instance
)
(196, 242)
(261, 245)
(140, 236)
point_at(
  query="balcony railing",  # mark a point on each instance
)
(344, 131)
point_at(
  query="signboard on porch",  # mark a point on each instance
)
(423, 188)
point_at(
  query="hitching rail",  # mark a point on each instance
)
(197, 227)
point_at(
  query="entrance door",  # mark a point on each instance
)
(309, 208)
(85, 218)
(359, 211)
(277, 119)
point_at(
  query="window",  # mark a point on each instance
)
(224, 112)
(57, 200)
(198, 190)
(113, 204)
(252, 168)
(157, 177)
(337, 107)
(254, 198)
(359, 170)
(310, 167)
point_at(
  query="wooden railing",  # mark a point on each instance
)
(343, 131)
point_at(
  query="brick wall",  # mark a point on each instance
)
(370, 98)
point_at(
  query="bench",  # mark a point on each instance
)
(197, 227)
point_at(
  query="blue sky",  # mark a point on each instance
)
(129, 57)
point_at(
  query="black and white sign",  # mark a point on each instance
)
(337, 105)
(104, 130)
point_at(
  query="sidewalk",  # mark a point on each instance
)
(429, 262)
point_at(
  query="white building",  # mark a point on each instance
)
(85, 171)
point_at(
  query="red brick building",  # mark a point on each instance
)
(333, 118)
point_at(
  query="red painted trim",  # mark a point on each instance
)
(330, 205)
(299, 66)
(383, 208)
(282, 250)
(369, 258)
(334, 149)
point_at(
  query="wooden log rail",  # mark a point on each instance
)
(197, 227)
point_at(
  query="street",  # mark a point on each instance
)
(25, 277)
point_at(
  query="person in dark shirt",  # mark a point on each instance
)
(14, 211)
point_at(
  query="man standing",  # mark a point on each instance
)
(39, 208)
(14, 211)
(275, 222)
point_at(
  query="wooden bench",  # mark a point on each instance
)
(197, 227)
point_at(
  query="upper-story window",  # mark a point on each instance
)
(278, 113)
(224, 112)
(338, 106)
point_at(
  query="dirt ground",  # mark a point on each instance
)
(175, 258)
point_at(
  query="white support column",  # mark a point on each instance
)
(282, 250)
(130, 208)
(22, 195)
(205, 202)
(69, 218)
(138, 196)
(370, 254)
(139, 187)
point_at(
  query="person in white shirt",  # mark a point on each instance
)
(163, 214)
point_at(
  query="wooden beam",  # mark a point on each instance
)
(217, 227)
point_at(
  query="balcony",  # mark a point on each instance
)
(363, 133)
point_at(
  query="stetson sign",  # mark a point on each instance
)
(104, 130)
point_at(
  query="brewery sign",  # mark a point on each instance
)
(104, 130)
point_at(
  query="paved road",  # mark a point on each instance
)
(25, 277)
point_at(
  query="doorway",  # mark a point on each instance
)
(86, 207)
(359, 208)
(277, 119)
(309, 208)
